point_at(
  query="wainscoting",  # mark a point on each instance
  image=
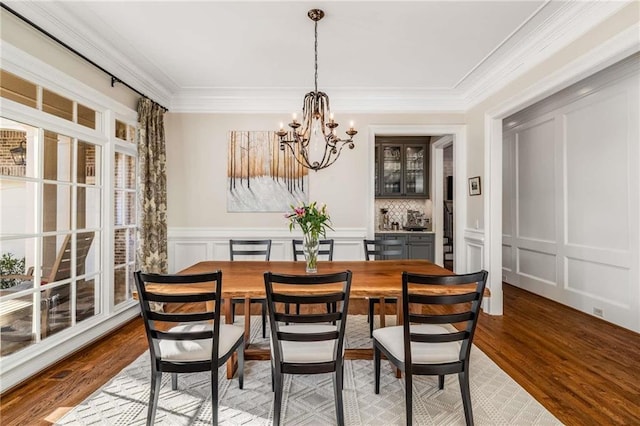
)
(187, 246)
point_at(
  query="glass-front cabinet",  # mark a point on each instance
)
(401, 168)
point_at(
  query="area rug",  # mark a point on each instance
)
(308, 400)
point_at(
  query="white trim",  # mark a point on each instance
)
(458, 134)
(437, 214)
(613, 50)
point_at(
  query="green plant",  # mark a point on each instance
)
(312, 220)
(10, 265)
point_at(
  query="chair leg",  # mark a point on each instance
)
(441, 381)
(214, 395)
(240, 351)
(156, 381)
(174, 381)
(233, 311)
(337, 388)
(264, 319)
(376, 367)
(370, 317)
(297, 309)
(277, 397)
(463, 377)
(408, 397)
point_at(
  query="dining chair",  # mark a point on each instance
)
(374, 249)
(187, 342)
(428, 343)
(251, 250)
(325, 250)
(307, 343)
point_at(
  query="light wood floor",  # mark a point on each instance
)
(584, 370)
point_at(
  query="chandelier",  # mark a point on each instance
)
(313, 142)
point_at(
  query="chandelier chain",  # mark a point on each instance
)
(316, 56)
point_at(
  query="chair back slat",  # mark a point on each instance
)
(307, 318)
(441, 318)
(439, 338)
(181, 317)
(308, 299)
(449, 309)
(187, 335)
(325, 249)
(307, 290)
(390, 249)
(180, 298)
(250, 249)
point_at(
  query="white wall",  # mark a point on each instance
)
(571, 194)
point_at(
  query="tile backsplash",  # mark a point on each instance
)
(398, 209)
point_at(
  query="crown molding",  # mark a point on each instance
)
(285, 100)
(550, 29)
(55, 18)
(565, 25)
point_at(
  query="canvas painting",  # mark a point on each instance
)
(261, 177)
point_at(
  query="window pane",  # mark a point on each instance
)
(17, 207)
(118, 207)
(56, 258)
(130, 174)
(56, 212)
(18, 90)
(89, 160)
(131, 134)
(57, 156)
(16, 148)
(86, 116)
(87, 253)
(120, 285)
(16, 316)
(56, 310)
(17, 259)
(86, 304)
(121, 130)
(131, 250)
(119, 247)
(130, 213)
(89, 203)
(57, 105)
(119, 170)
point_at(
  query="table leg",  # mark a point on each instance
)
(383, 312)
(232, 363)
(247, 320)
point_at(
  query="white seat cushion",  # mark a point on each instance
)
(198, 350)
(308, 352)
(392, 338)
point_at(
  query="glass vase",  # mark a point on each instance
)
(310, 249)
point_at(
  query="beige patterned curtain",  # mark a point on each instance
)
(152, 188)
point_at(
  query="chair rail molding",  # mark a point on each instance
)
(187, 246)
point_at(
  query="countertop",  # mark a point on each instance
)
(403, 231)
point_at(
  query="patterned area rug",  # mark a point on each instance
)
(308, 400)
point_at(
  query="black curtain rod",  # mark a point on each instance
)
(114, 79)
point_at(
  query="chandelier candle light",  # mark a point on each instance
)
(305, 139)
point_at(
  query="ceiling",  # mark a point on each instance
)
(383, 56)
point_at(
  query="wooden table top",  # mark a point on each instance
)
(243, 279)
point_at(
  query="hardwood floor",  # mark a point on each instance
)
(584, 370)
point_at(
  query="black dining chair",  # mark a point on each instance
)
(381, 249)
(186, 342)
(428, 342)
(325, 251)
(307, 343)
(250, 250)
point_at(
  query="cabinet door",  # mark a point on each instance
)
(415, 171)
(376, 171)
(391, 170)
(421, 250)
(402, 238)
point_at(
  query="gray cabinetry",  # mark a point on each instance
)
(402, 167)
(418, 245)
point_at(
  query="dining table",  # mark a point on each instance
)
(378, 278)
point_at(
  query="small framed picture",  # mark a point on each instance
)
(474, 186)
